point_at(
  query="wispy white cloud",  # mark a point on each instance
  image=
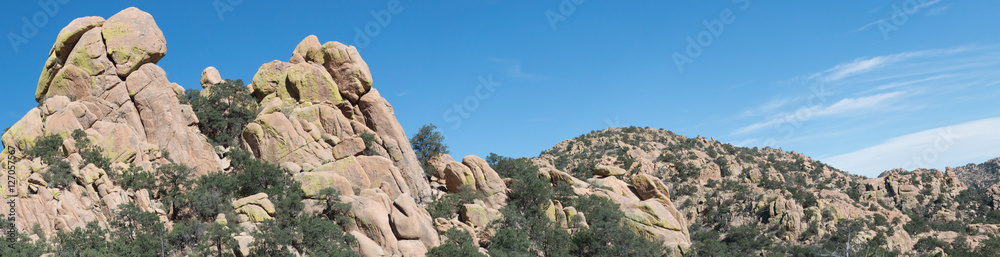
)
(865, 65)
(859, 105)
(747, 142)
(513, 69)
(768, 107)
(937, 11)
(958, 144)
(900, 12)
(911, 82)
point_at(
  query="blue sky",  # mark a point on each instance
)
(864, 85)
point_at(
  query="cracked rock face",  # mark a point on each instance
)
(319, 110)
(101, 77)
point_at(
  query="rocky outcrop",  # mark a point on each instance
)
(326, 125)
(254, 208)
(316, 110)
(980, 176)
(101, 77)
(472, 173)
(385, 226)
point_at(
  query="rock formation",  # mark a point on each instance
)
(320, 111)
(101, 77)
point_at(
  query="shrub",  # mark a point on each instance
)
(49, 149)
(224, 112)
(369, 140)
(135, 178)
(447, 205)
(459, 244)
(525, 229)
(606, 235)
(427, 143)
(927, 244)
(46, 147)
(90, 153)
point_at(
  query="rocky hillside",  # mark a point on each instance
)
(979, 176)
(791, 203)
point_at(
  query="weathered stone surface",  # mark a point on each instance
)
(310, 49)
(366, 246)
(478, 215)
(457, 175)
(259, 199)
(615, 185)
(412, 248)
(348, 147)
(309, 83)
(412, 222)
(244, 243)
(383, 175)
(90, 54)
(164, 122)
(381, 118)
(350, 169)
(443, 225)
(23, 133)
(277, 138)
(487, 179)
(71, 81)
(314, 182)
(70, 35)
(438, 163)
(370, 211)
(271, 78)
(348, 70)
(210, 77)
(651, 219)
(61, 49)
(133, 39)
(255, 213)
(604, 170)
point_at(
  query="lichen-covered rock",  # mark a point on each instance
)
(605, 170)
(345, 65)
(314, 182)
(256, 207)
(133, 39)
(90, 54)
(71, 81)
(164, 122)
(271, 78)
(70, 35)
(457, 176)
(478, 215)
(310, 83)
(61, 49)
(23, 133)
(614, 185)
(487, 179)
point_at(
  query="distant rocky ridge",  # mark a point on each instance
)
(979, 176)
(791, 198)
